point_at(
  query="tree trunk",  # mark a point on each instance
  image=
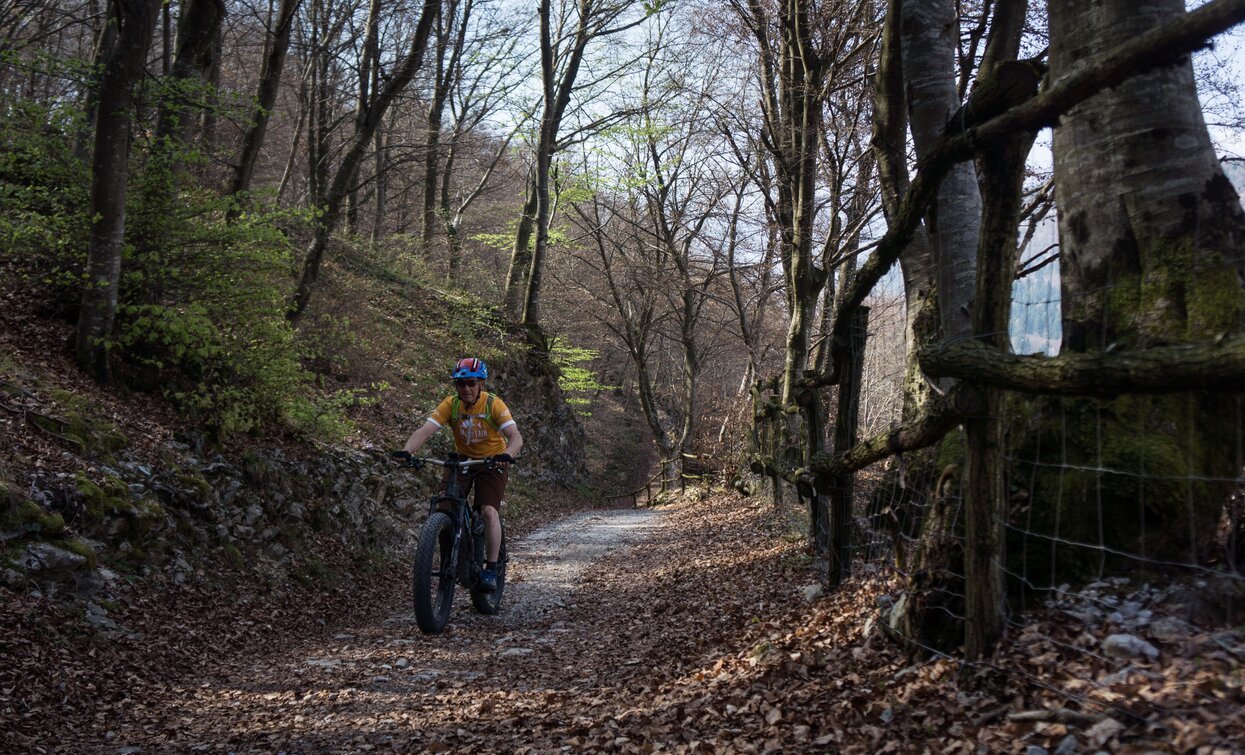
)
(929, 32)
(521, 253)
(349, 166)
(136, 20)
(198, 28)
(266, 98)
(450, 39)
(105, 41)
(1152, 248)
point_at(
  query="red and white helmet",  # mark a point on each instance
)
(470, 367)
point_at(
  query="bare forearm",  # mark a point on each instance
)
(514, 443)
(420, 437)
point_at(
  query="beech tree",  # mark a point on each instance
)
(135, 23)
(1152, 252)
(564, 40)
(367, 120)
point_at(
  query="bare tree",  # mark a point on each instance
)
(564, 40)
(276, 46)
(367, 121)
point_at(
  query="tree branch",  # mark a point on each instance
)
(1217, 366)
(1158, 47)
(941, 415)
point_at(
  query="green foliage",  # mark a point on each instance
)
(90, 430)
(26, 515)
(201, 306)
(108, 498)
(44, 224)
(82, 549)
(233, 556)
(575, 380)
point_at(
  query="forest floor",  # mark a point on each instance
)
(692, 627)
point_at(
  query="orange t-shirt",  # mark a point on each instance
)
(474, 435)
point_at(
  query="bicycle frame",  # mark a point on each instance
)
(451, 549)
(461, 511)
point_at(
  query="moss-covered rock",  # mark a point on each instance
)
(18, 513)
(79, 547)
(107, 498)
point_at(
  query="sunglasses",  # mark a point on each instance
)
(466, 383)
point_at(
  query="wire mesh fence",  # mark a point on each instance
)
(1116, 542)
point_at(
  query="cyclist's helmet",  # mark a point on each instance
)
(470, 367)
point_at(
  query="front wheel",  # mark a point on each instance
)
(433, 573)
(490, 602)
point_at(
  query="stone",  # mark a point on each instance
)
(1169, 628)
(45, 558)
(12, 579)
(1128, 646)
(1069, 745)
(253, 514)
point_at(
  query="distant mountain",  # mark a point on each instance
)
(1235, 172)
(1035, 326)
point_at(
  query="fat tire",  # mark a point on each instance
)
(432, 575)
(490, 602)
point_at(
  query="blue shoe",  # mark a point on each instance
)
(488, 581)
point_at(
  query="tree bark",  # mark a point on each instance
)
(1216, 365)
(197, 30)
(266, 98)
(1152, 250)
(929, 32)
(135, 20)
(347, 169)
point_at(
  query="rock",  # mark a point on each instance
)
(97, 616)
(1128, 646)
(1118, 677)
(1035, 750)
(12, 579)
(1103, 731)
(45, 558)
(1169, 629)
(513, 652)
(402, 663)
(253, 514)
(1069, 745)
(812, 592)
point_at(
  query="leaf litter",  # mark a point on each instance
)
(696, 635)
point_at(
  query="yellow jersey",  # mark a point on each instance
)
(477, 428)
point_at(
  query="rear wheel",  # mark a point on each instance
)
(490, 602)
(433, 573)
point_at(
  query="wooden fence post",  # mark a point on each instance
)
(842, 487)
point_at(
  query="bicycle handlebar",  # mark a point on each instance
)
(462, 464)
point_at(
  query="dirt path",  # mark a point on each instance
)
(385, 685)
(690, 630)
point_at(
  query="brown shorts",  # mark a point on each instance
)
(490, 484)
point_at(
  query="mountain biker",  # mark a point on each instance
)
(483, 428)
